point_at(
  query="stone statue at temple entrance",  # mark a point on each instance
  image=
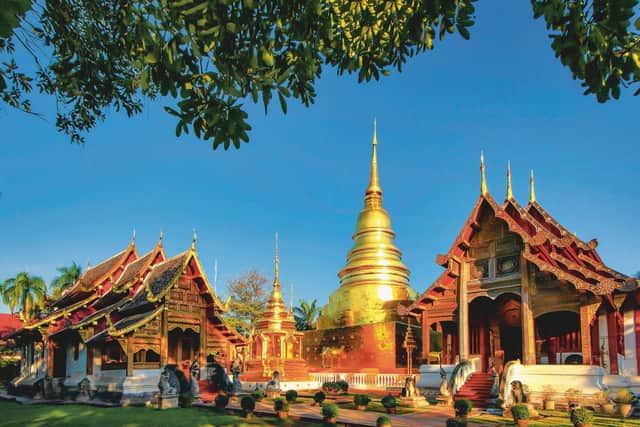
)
(194, 374)
(236, 369)
(169, 387)
(273, 386)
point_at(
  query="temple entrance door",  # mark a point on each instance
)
(59, 362)
(511, 343)
(184, 346)
(481, 312)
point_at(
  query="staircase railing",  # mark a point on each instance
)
(461, 374)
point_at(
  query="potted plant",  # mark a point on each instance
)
(258, 395)
(606, 406)
(318, 398)
(573, 397)
(248, 405)
(547, 398)
(624, 402)
(520, 413)
(281, 407)
(291, 396)
(581, 417)
(462, 407)
(222, 400)
(343, 386)
(390, 403)
(330, 413)
(383, 421)
(361, 401)
(456, 422)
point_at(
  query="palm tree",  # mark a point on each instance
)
(306, 315)
(25, 292)
(68, 276)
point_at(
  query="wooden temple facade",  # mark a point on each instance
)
(122, 321)
(517, 285)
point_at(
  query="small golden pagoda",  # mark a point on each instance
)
(276, 345)
(374, 280)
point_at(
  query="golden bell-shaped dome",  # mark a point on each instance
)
(374, 280)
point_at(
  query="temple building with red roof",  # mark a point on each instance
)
(517, 286)
(121, 322)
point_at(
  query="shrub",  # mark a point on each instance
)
(361, 400)
(456, 422)
(343, 386)
(222, 400)
(186, 399)
(624, 395)
(602, 397)
(520, 412)
(291, 396)
(389, 401)
(248, 403)
(319, 397)
(280, 404)
(581, 416)
(462, 407)
(258, 395)
(330, 410)
(383, 421)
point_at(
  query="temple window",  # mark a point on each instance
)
(113, 357)
(146, 359)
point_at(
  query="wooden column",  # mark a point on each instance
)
(528, 333)
(164, 338)
(636, 328)
(203, 337)
(612, 338)
(50, 351)
(463, 313)
(129, 349)
(587, 312)
(426, 336)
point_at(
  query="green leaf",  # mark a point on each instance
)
(283, 103)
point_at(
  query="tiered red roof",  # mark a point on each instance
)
(547, 244)
(9, 323)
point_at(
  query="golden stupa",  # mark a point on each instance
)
(276, 344)
(374, 280)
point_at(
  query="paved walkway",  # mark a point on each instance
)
(431, 417)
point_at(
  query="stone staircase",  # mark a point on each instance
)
(477, 389)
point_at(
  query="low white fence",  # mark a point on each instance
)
(362, 380)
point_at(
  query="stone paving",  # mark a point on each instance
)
(431, 417)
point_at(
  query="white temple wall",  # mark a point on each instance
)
(603, 334)
(76, 368)
(629, 364)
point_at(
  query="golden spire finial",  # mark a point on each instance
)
(373, 195)
(133, 237)
(161, 235)
(193, 241)
(532, 188)
(483, 183)
(509, 189)
(276, 273)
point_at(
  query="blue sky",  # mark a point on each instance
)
(304, 174)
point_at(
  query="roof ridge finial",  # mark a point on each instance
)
(373, 195)
(483, 182)
(509, 188)
(161, 236)
(276, 272)
(133, 237)
(532, 188)
(193, 241)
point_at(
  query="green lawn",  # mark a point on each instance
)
(556, 419)
(16, 415)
